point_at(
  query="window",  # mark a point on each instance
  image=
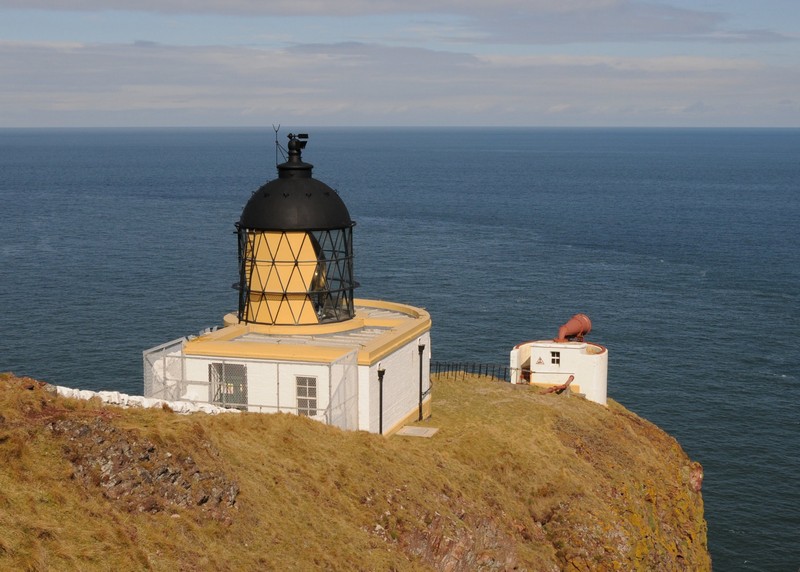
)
(555, 358)
(228, 383)
(306, 395)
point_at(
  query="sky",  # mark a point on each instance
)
(549, 63)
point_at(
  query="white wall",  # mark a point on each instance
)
(261, 384)
(400, 385)
(271, 386)
(367, 396)
(196, 381)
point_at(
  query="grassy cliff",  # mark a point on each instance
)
(512, 480)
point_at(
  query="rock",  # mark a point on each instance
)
(138, 474)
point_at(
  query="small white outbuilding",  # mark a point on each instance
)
(565, 362)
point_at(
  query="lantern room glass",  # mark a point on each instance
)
(295, 277)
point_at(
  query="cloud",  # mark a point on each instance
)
(694, 65)
(369, 84)
(618, 22)
(313, 7)
(518, 22)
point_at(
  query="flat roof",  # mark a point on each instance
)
(378, 329)
(361, 337)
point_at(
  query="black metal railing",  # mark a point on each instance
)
(461, 369)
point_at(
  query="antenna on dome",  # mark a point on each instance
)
(278, 148)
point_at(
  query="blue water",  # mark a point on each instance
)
(682, 246)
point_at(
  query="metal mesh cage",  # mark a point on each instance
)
(164, 371)
(296, 277)
(343, 403)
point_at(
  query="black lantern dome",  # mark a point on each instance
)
(295, 200)
(295, 249)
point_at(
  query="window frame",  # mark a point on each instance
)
(306, 404)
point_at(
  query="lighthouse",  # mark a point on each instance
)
(300, 342)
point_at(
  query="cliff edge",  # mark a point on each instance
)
(513, 480)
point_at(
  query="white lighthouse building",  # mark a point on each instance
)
(300, 341)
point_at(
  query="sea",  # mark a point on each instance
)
(682, 245)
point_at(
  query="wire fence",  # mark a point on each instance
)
(461, 369)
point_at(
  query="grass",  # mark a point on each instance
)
(512, 478)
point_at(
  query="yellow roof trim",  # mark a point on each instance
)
(256, 350)
(392, 341)
(400, 331)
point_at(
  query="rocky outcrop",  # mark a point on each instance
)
(138, 474)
